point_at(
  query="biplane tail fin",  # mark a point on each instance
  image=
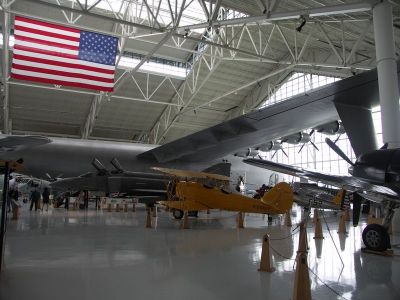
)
(280, 197)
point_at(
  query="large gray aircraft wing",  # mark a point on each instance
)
(349, 96)
(15, 143)
(347, 182)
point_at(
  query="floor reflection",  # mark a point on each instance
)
(107, 255)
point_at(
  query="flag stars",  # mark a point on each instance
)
(98, 48)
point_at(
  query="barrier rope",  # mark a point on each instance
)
(327, 285)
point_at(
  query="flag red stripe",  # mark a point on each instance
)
(60, 82)
(46, 33)
(47, 52)
(62, 64)
(19, 18)
(46, 43)
(62, 73)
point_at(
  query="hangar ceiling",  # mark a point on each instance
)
(230, 55)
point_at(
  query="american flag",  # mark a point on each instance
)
(49, 53)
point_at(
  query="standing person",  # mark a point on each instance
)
(240, 185)
(10, 196)
(67, 195)
(46, 198)
(35, 197)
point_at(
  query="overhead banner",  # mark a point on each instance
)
(60, 55)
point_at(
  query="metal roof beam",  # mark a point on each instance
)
(167, 36)
(82, 92)
(90, 14)
(261, 5)
(204, 8)
(91, 117)
(276, 16)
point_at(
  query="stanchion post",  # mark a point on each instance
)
(185, 223)
(265, 263)
(342, 224)
(318, 227)
(288, 219)
(239, 220)
(148, 218)
(155, 211)
(302, 288)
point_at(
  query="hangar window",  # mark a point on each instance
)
(296, 84)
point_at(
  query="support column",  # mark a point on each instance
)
(4, 213)
(5, 69)
(387, 73)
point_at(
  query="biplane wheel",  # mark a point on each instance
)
(177, 213)
(376, 237)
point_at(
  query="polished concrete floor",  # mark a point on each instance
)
(111, 255)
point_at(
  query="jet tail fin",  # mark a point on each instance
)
(280, 197)
(223, 168)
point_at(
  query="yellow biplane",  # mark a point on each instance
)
(197, 191)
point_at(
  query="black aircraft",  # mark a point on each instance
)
(375, 176)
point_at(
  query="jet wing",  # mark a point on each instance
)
(191, 174)
(284, 118)
(372, 192)
(15, 142)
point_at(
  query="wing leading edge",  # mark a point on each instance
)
(371, 191)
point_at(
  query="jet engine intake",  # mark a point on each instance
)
(250, 152)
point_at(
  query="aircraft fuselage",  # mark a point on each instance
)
(65, 157)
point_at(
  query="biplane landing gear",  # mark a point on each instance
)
(375, 236)
(177, 213)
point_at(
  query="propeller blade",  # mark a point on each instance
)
(338, 151)
(312, 143)
(312, 132)
(285, 153)
(274, 154)
(259, 156)
(301, 148)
